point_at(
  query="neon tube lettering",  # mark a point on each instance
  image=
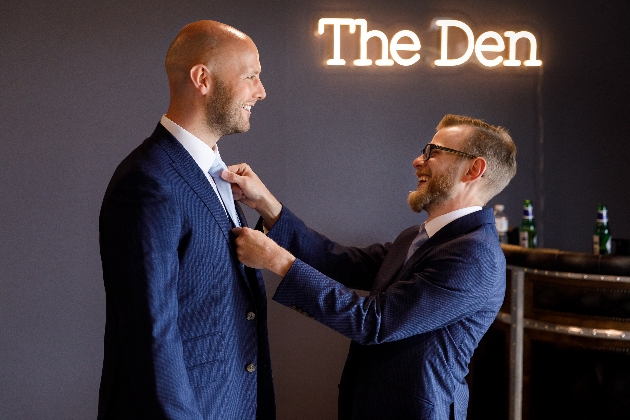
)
(336, 60)
(480, 47)
(487, 42)
(515, 36)
(444, 61)
(365, 35)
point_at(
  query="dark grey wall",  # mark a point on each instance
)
(83, 83)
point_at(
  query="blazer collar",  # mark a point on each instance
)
(188, 169)
(449, 232)
(393, 264)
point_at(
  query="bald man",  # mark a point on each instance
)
(186, 323)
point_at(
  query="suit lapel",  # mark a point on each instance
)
(241, 215)
(449, 232)
(188, 169)
(246, 272)
(254, 277)
(393, 263)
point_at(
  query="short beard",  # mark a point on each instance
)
(438, 190)
(223, 116)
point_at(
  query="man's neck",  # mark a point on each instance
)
(449, 206)
(195, 127)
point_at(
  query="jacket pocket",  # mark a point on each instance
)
(204, 349)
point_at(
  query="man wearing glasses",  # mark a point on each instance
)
(434, 291)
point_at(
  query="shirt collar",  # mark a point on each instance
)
(202, 154)
(433, 226)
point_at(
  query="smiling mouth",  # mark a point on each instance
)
(422, 179)
(247, 108)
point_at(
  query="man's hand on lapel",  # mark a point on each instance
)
(250, 190)
(254, 249)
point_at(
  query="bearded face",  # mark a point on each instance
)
(224, 112)
(435, 191)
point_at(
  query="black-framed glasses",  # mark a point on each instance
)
(428, 149)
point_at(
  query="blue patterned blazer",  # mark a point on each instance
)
(186, 323)
(414, 335)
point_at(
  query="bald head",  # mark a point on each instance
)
(201, 42)
(214, 78)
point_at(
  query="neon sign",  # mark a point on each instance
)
(487, 42)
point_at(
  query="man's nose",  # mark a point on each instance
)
(260, 92)
(419, 161)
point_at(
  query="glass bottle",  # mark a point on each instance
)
(527, 231)
(501, 223)
(602, 240)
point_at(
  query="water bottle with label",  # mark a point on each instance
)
(501, 223)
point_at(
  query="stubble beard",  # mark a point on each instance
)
(437, 191)
(223, 115)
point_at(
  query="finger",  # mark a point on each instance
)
(237, 231)
(230, 176)
(239, 168)
(237, 192)
(246, 231)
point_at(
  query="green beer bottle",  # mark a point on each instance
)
(527, 231)
(602, 239)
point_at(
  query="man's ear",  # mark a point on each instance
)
(200, 77)
(475, 170)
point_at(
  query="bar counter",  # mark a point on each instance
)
(560, 345)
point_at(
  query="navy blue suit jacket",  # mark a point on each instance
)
(179, 332)
(414, 335)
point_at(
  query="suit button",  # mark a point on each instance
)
(251, 367)
(251, 316)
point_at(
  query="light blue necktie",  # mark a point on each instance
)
(224, 188)
(417, 242)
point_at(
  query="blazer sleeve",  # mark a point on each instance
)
(139, 235)
(351, 266)
(448, 284)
